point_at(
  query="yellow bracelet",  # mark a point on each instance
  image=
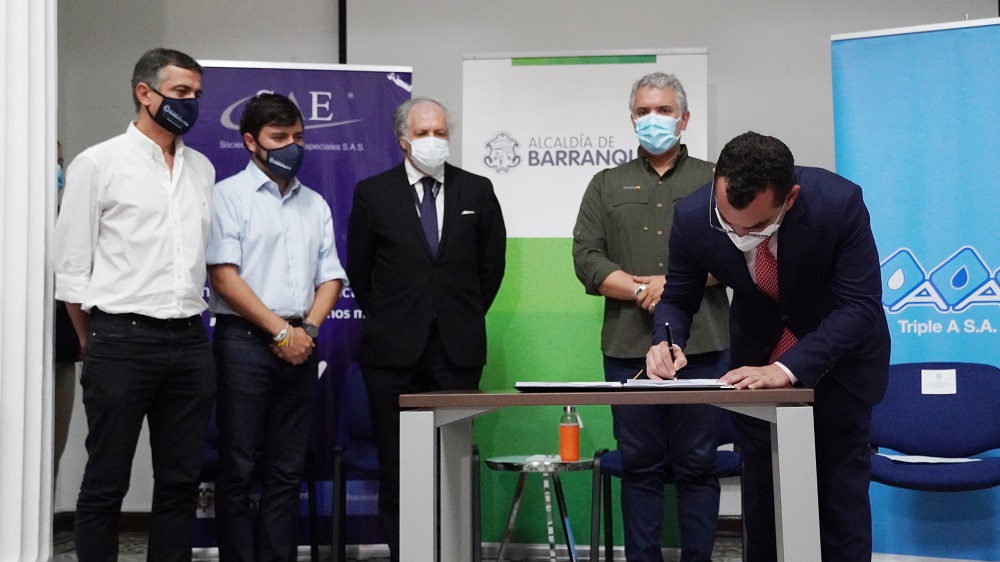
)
(284, 342)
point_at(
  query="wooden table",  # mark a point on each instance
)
(436, 448)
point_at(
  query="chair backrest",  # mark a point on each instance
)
(962, 424)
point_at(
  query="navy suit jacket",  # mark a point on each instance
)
(829, 287)
(402, 288)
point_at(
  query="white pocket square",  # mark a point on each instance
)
(468, 212)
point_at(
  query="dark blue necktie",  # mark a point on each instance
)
(428, 214)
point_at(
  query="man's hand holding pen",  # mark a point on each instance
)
(664, 359)
(661, 364)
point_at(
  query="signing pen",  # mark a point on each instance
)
(637, 374)
(670, 340)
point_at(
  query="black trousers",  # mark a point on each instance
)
(842, 426)
(433, 371)
(265, 407)
(138, 367)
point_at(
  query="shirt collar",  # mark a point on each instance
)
(259, 179)
(413, 175)
(681, 155)
(148, 146)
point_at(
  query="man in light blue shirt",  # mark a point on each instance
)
(275, 277)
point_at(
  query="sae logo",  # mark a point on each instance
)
(317, 113)
(957, 283)
(501, 153)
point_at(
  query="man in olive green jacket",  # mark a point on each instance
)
(620, 252)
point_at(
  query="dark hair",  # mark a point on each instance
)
(753, 163)
(148, 68)
(268, 109)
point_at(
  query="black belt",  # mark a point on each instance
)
(234, 320)
(144, 320)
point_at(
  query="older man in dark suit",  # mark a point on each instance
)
(425, 257)
(795, 246)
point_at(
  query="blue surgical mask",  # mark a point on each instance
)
(656, 133)
(284, 162)
(59, 178)
(176, 115)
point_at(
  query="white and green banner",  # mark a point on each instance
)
(539, 126)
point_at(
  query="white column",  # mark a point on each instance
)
(27, 207)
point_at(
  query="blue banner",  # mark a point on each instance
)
(917, 125)
(349, 136)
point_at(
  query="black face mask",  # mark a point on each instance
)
(176, 115)
(284, 162)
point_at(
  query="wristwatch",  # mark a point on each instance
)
(640, 289)
(310, 328)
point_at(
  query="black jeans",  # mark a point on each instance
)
(433, 371)
(139, 367)
(264, 413)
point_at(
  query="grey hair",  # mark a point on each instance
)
(659, 80)
(401, 120)
(150, 65)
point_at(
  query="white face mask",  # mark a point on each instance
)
(429, 154)
(748, 242)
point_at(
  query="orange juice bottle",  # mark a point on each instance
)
(569, 435)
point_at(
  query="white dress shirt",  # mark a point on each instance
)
(131, 234)
(283, 245)
(413, 175)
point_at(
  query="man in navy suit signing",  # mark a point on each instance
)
(795, 246)
(425, 256)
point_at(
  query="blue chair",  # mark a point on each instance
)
(356, 457)
(609, 463)
(959, 425)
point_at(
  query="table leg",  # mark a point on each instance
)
(796, 513)
(455, 500)
(546, 480)
(418, 505)
(514, 507)
(567, 528)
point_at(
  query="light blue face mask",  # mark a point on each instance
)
(656, 133)
(59, 178)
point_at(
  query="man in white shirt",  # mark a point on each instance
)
(275, 277)
(129, 257)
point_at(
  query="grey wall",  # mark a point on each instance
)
(769, 65)
(768, 61)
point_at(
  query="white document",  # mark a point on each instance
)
(919, 459)
(585, 385)
(634, 384)
(938, 381)
(676, 383)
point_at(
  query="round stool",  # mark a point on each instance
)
(549, 466)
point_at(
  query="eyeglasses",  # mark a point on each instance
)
(716, 223)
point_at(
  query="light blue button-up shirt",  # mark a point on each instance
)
(283, 245)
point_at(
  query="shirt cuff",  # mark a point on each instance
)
(328, 270)
(791, 377)
(224, 251)
(71, 288)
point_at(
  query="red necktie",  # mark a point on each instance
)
(766, 270)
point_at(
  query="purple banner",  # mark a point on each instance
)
(349, 136)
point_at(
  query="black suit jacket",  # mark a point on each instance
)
(829, 293)
(402, 288)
